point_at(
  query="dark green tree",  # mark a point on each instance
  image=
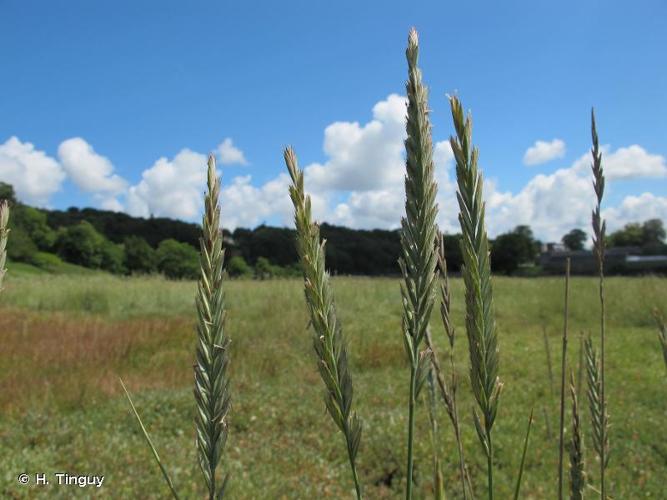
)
(575, 239)
(81, 244)
(263, 268)
(113, 257)
(631, 235)
(653, 232)
(510, 250)
(21, 248)
(237, 267)
(33, 222)
(139, 256)
(7, 193)
(177, 260)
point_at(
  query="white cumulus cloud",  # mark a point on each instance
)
(544, 151)
(170, 188)
(34, 175)
(633, 162)
(92, 173)
(363, 157)
(245, 205)
(230, 154)
(636, 209)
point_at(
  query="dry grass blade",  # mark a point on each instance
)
(577, 468)
(563, 367)
(480, 316)
(599, 418)
(150, 443)
(328, 341)
(517, 489)
(212, 357)
(662, 333)
(418, 236)
(4, 233)
(599, 230)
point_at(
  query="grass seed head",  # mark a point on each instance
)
(211, 389)
(4, 233)
(328, 342)
(576, 448)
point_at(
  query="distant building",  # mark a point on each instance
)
(618, 260)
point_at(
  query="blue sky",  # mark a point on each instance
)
(116, 104)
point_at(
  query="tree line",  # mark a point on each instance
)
(122, 244)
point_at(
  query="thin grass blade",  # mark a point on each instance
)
(150, 442)
(523, 457)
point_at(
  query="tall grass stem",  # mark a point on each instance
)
(328, 341)
(418, 240)
(599, 230)
(480, 315)
(563, 367)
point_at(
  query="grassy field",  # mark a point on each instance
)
(67, 339)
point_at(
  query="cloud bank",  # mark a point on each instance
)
(359, 183)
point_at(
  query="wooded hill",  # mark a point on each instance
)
(123, 244)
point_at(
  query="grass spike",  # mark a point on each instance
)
(418, 237)
(4, 234)
(476, 270)
(599, 230)
(328, 341)
(211, 388)
(577, 466)
(599, 420)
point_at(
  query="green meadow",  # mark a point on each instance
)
(67, 338)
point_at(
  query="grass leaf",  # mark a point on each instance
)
(150, 442)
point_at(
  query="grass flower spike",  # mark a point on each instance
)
(480, 320)
(418, 239)
(211, 379)
(599, 233)
(599, 420)
(577, 468)
(4, 232)
(328, 338)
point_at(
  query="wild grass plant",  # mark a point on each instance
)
(448, 389)
(576, 449)
(418, 259)
(563, 368)
(267, 324)
(597, 397)
(330, 346)
(4, 233)
(211, 390)
(480, 314)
